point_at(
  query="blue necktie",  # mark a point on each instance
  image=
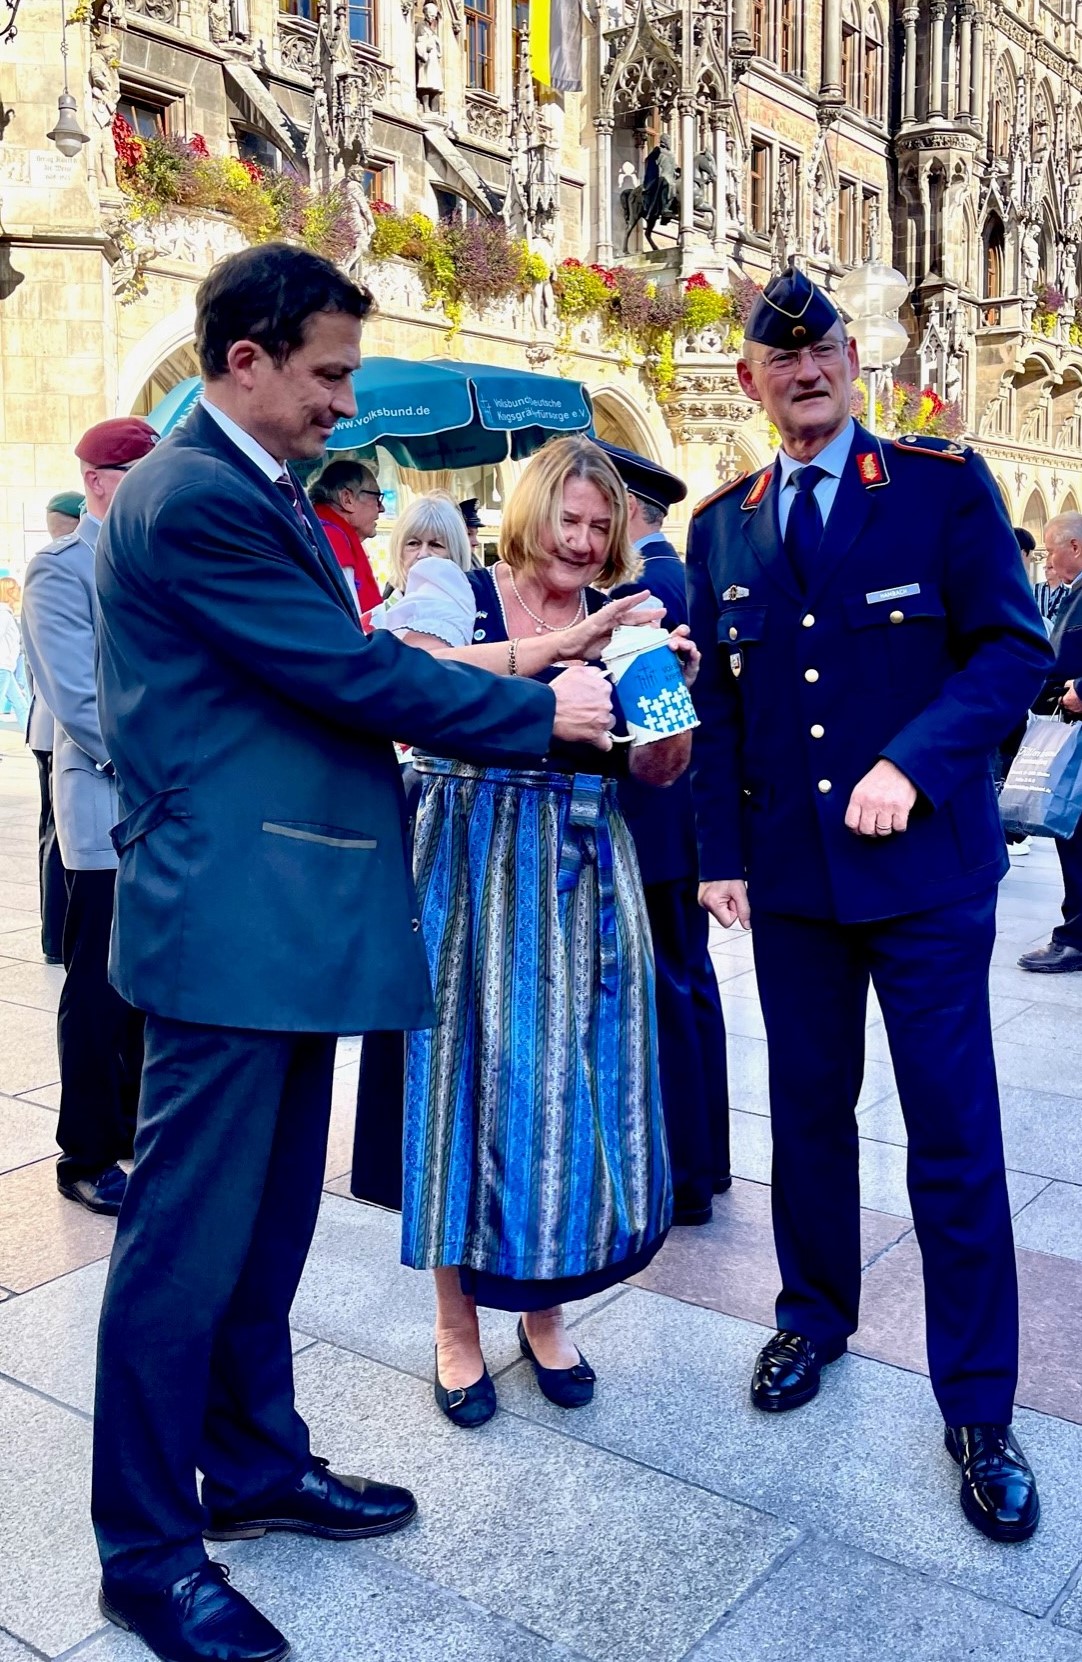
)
(289, 491)
(804, 527)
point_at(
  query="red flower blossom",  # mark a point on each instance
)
(697, 281)
(381, 207)
(253, 170)
(570, 265)
(128, 145)
(197, 144)
(607, 277)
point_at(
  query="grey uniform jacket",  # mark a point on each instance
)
(60, 614)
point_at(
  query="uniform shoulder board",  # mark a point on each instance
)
(925, 445)
(715, 496)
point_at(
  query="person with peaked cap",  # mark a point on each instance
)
(99, 1035)
(691, 1029)
(875, 640)
(471, 519)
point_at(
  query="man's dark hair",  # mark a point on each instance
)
(267, 295)
(1026, 541)
(652, 513)
(338, 477)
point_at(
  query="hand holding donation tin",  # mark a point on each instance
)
(650, 684)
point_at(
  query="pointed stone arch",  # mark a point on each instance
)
(1035, 513)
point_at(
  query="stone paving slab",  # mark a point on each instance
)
(864, 1462)
(27, 1133)
(50, 1575)
(12, 1651)
(1042, 1131)
(42, 1235)
(47, 1096)
(27, 1049)
(343, 1114)
(849, 1607)
(21, 942)
(37, 985)
(1053, 1221)
(588, 1550)
(748, 1090)
(341, 1603)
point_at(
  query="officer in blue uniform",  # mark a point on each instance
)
(874, 638)
(691, 1029)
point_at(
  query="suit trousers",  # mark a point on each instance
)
(99, 1037)
(691, 1043)
(52, 879)
(930, 974)
(194, 1359)
(1069, 849)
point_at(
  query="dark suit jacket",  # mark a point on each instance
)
(918, 641)
(661, 821)
(263, 878)
(1067, 645)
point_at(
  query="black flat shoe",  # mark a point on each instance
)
(465, 1405)
(321, 1503)
(200, 1618)
(566, 1387)
(1053, 959)
(101, 1193)
(999, 1491)
(691, 1217)
(787, 1371)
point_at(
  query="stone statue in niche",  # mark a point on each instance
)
(104, 79)
(361, 216)
(429, 54)
(218, 21)
(822, 202)
(1030, 250)
(704, 174)
(543, 296)
(240, 21)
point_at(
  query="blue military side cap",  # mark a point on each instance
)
(644, 478)
(790, 313)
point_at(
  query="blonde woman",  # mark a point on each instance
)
(535, 1166)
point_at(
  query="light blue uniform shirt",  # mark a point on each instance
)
(832, 458)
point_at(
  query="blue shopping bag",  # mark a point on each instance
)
(1042, 794)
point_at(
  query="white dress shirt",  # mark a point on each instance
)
(264, 461)
(832, 459)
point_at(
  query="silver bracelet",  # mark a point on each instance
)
(512, 657)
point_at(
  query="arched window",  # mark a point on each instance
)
(1002, 113)
(993, 241)
(851, 54)
(873, 65)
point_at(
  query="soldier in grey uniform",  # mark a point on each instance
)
(99, 1036)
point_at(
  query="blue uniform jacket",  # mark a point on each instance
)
(919, 641)
(263, 879)
(661, 821)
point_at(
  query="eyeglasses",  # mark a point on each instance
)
(821, 353)
(377, 494)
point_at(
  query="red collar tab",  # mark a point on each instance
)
(870, 467)
(757, 491)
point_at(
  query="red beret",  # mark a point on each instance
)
(116, 443)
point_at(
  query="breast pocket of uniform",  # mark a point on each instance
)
(903, 637)
(741, 630)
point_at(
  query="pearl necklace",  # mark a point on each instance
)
(541, 626)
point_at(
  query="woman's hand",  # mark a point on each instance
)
(690, 657)
(589, 638)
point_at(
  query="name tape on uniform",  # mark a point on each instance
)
(892, 594)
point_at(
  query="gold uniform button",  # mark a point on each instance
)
(824, 787)
(808, 621)
(817, 731)
(811, 675)
(734, 633)
(897, 617)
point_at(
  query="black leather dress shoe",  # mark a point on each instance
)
(334, 1508)
(787, 1371)
(999, 1491)
(1053, 959)
(566, 1387)
(102, 1193)
(690, 1217)
(200, 1618)
(465, 1405)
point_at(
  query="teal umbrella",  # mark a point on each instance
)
(439, 414)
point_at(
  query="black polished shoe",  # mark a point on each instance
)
(465, 1405)
(566, 1387)
(722, 1185)
(999, 1491)
(692, 1217)
(102, 1193)
(321, 1503)
(787, 1371)
(1053, 959)
(200, 1618)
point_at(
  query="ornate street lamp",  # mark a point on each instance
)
(8, 31)
(871, 294)
(67, 135)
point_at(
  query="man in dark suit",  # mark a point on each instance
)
(1063, 690)
(691, 1028)
(875, 637)
(263, 906)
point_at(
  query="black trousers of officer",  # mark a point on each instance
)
(99, 1037)
(691, 1043)
(194, 1359)
(930, 974)
(52, 879)
(1069, 849)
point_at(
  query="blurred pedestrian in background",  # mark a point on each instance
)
(691, 1029)
(99, 1035)
(12, 693)
(534, 1161)
(348, 502)
(471, 519)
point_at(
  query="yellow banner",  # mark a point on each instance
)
(540, 43)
